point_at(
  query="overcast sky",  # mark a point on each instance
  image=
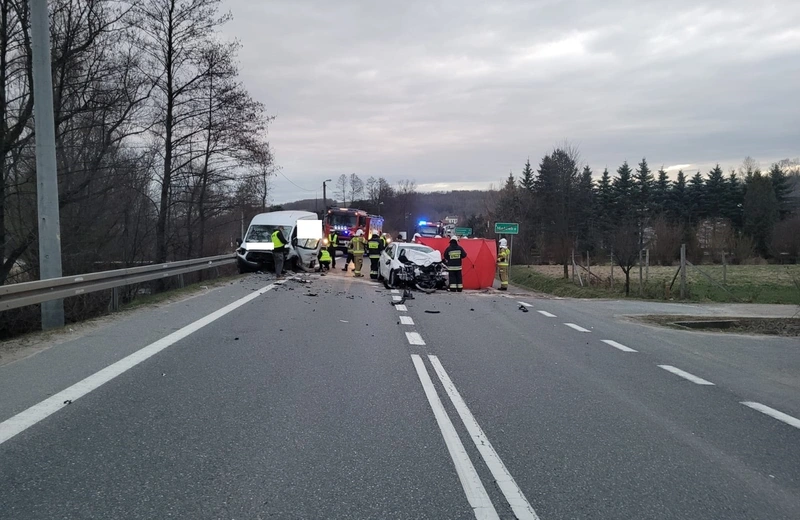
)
(455, 93)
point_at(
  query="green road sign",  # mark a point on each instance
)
(506, 228)
(463, 231)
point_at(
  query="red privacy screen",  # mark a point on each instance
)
(480, 264)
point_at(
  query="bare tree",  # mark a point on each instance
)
(356, 187)
(341, 188)
(175, 36)
(625, 243)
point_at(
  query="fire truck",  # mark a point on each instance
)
(346, 221)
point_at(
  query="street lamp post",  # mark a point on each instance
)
(324, 196)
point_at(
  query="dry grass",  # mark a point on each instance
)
(736, 274)
(742, 283)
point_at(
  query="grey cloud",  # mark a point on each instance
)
(461, 91)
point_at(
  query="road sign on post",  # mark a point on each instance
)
(463, 231)
(506, 228)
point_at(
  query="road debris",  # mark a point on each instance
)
(523, 308)
(432, 312)
(344, 321)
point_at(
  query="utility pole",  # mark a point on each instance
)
(46, 174)
(325, 197)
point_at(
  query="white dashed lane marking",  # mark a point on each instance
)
(525, 304)
(686, 375)
(616, 345)
(772, 412)
(395, 291)
(401, 308)
(546, 314)
(396, 298)
(576, 327)
(406, 320)
(414, 338)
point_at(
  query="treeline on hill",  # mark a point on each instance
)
(402, 206)
(160, 147)
(562, 208)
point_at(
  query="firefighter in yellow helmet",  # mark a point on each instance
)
(502, 263)
(358, 244)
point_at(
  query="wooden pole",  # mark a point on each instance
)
(647, 265)
(683, 271)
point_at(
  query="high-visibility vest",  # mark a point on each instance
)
(276, 242)
(502, 257)
(357, 243)
(374, 248)
(453, 258)
(333, 239)
(324, 256)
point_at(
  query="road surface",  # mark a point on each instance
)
(323, 400)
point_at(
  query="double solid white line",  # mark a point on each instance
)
(470, 481)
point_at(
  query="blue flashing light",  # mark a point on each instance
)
(422, 222)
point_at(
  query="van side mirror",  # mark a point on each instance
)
(238, 241)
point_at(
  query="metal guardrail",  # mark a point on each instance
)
(29, 293)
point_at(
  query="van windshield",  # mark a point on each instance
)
(263, 232)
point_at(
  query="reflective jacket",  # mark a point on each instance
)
(502, 257)
(333, 240)
(324, 255)
(453, 256)
(357, 245)
(278, 240)
(375, 246)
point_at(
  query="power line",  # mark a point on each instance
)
(295, 185)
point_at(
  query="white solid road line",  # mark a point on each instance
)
(470, 481)
(27, 418)
(545, 313)
(414, 338)
(402, 308)
(772, 412)
(508, 486)
(525, 304)
(406, 320)
(686, 375)
(576, 327)
(619, 346)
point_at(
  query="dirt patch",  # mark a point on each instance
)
(730, 324)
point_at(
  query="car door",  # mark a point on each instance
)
(384, 266)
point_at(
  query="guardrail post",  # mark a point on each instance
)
(181, 283)
(114, 306)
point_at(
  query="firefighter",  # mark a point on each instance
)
(374, 247)
(349, 257)
(324, 258)
(278, 252)
(502, 263)
(357, 244)
(333, 243)
(453, 257)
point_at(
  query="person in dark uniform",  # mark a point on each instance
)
(374, 248)
(453, 257)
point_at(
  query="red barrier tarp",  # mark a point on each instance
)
(480, 264)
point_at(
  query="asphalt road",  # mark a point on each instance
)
(323, 400)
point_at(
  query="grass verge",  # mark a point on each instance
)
(756, 290)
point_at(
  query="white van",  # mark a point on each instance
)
(255, 250)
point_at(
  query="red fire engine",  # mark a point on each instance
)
(346, 221)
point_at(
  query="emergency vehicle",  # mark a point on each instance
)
(346, 221)
(430, 229)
